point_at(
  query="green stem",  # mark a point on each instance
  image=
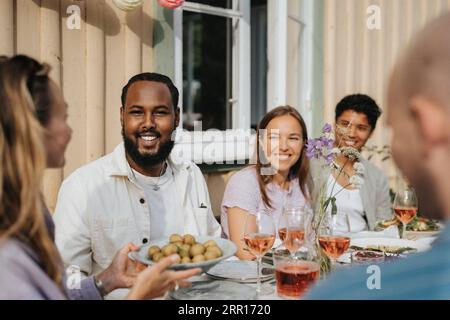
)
(340, 171)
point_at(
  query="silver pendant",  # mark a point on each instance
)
(156, 188)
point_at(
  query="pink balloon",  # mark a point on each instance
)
(171, 4)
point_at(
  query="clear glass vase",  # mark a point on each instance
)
(320, 172)
(321, 222)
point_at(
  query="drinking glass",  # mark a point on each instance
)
(405, 206)
(259, 237)
(334, 242)
(293, 276)
(291, 228)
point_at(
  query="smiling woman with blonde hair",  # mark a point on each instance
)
(34, 135)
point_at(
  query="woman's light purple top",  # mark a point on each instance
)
(22, 276)
(243, 192)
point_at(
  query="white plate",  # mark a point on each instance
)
(228, 249)
(215, 290)
(366, 242)
(390, 232)
(239, 271)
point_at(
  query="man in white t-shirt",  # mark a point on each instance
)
(137, 193)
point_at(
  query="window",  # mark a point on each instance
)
(207, 67)
(212, 71)
(259, 61)
(226, 53)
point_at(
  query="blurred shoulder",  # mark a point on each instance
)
(17, 261)
(22, 276)
(389, 280)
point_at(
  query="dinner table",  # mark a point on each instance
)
(246, 290)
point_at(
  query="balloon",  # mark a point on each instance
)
(170, 4)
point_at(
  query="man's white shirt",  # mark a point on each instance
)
(164, 204)
(102, 206)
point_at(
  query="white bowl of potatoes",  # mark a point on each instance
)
(194, 251)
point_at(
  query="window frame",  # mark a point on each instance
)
(277, 20)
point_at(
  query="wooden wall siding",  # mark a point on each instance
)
(359, 60)
(91, 65)
(7, 27)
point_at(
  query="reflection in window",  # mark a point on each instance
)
(259, 61)
(208, 66)
(207, 51)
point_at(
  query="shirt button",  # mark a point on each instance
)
(144, 241)
(142, 200)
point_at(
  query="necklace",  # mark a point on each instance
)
(155, 186)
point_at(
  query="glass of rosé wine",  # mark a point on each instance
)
(294, 276)
(259, 237)
(405, 206)
(333, 242)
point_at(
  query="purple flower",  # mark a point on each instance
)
(320, 148)
(326, 142)
(310, 154)
(329, 158)
(327, 128)
(312, 148)
(311, 144)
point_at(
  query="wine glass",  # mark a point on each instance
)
(259, 237)
(291, 228)
(333, 235)
(405, 206)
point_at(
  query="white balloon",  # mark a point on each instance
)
(128, 5)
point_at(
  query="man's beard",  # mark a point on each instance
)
(147, 160)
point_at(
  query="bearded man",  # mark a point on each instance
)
(137, 193)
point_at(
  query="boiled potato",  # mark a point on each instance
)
(197, 249)
(169, 249)
(186, 260)
(210, 243)
(216, 250)
(186, 247)
(188, 239)
(198, 258)
(157, 256)
(183, 253)
(211, 255)
(175, 238)
(178, 244)
(152, 250)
